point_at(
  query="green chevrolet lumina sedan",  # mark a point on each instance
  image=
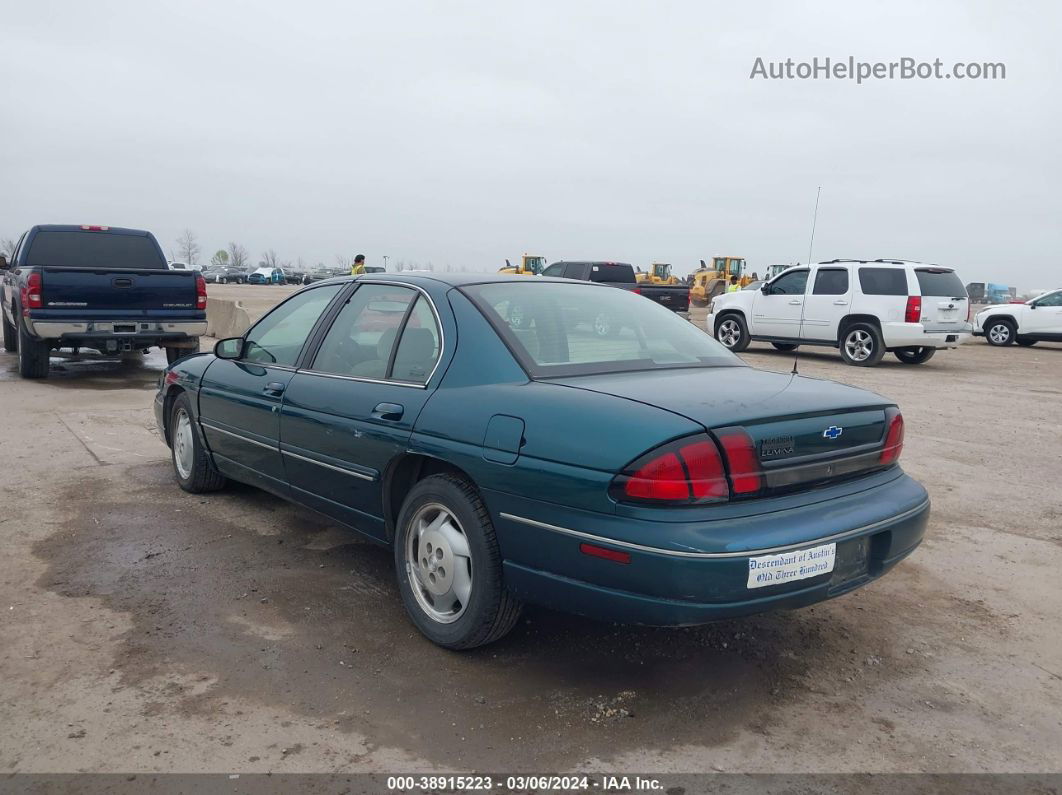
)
(647, 477)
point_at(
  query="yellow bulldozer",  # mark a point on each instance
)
(529, 266)
(658, 273)
(708, 282)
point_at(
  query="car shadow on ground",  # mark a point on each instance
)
(272, 603)
(93, 371)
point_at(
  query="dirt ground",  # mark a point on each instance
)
(146, 629)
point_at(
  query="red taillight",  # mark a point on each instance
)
(687, 471)
(200, 292)
(637, 291)
(890, 453)
(914, 309)
(31, 294)
(746, 477)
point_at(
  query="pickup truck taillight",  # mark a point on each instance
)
(914, 309)
(31, 294)
(200, 292)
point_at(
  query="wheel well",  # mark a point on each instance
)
(167, 410)
(726, 312)
(850, 320)
(998, 318)
(402, 475)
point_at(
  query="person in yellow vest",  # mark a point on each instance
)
(358, 267)
(734, 286)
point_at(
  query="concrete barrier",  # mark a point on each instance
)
(226, 318)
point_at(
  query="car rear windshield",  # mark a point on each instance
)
(94, 250)
(611, 272)
(940, 281)
(583, 329)
(883, 281)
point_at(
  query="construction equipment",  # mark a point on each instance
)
(708, 282)
(529, 266)
(659, 273)
(775, 270)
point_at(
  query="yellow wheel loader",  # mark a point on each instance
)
(529, 266)
(708, 282)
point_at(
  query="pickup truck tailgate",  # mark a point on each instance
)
(97, 292)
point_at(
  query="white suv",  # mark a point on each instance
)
(862, 307)
(1025, 324)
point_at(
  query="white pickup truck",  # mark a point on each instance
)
(862, 307)
(1038, 320)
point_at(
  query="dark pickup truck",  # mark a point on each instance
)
(96, 287)
(621, 274)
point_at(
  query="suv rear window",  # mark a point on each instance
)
(94, 250)
(938, 281)
(883, 281)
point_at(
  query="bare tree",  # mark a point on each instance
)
(237, 255)
(341, 261)
(7, 247)
(270, 259)
(188, 247)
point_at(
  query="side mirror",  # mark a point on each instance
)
(230, 348)
(765, 288)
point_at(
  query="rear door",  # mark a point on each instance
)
(881, 291)
(944, 302)
(239, 400)
(352, 411)
(826, 302)
(778, 312)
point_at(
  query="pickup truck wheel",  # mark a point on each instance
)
(194, 470)
(1000, 333)
(32, 355)
(785, 346)
(449, 566)
(10, 335)
(914, 355)
(1025, 342)
(862, 345)
(732, 332)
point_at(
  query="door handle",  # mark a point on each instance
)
(388, 411)
(274, 388)
(795, 302)
(840, 303)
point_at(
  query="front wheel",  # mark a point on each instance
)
(732, 332)
(194, 470)
(1000, 333)
(862, 346)
(914, 355)
(449, 566)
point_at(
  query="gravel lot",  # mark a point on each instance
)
(145, 629)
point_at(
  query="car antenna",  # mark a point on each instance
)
(811, 247)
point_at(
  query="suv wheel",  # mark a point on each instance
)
(1000, 332)
(861, 345)
(732, 332)
(10, 334)
(194, 470)
(449, 566)
(32, 355)
(914, 355)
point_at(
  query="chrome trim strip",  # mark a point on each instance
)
(328, 466)
(239, 436)
(745, 554)
(364, 380)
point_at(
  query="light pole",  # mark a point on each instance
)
(385, 258)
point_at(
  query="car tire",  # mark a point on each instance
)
(861, 345)
(785, 346)
(192, 467)
(1025, 342)
(732, 332)
(173, 354)
(33, 361)
(442, 518)
(914, 355)
(1000, 333)
(222, 280)
(10, 334)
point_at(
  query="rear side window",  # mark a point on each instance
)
(831, 281)
(362, 337)
(940, 282)
(883, 281)
(94, 250)
(418, 348)
(611, 272)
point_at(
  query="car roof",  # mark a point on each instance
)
(901, 263)
(451, 279)
(119, 230)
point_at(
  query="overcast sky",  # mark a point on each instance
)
(469, 132)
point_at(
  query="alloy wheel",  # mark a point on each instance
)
(183, 445)
(859, 345)
(999, 333)
(729, 333)
(439, 563)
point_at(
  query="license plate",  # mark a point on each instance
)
(800, 564)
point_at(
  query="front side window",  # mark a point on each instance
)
(363, 335)
(792, 283)
(1051, 299)
(557, 329)
(831, 281)
(556, 269)
(279, 336)
(883, 281)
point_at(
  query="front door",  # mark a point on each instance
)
(352, 411)
(777, 312)
(240, 399)
(826, 303)
(1045, 319)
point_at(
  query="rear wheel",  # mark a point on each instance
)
(1026, 342)
(914, 355)
(32, 355)
(861, 345)
(732, 332)
(1000, 333)
(194, 470)
(173, 354)
(449, 566)
(785, 346)
(10, 334)
(222, 280)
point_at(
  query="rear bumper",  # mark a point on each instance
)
(133, 329)
(873, 530)
(915, 335)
